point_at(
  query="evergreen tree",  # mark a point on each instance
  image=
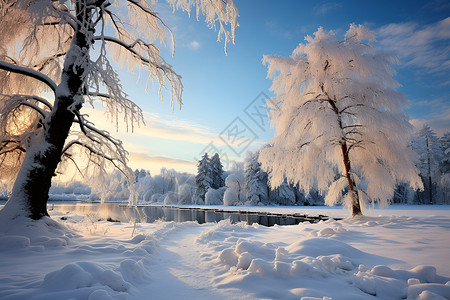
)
(217, 180)
(203, 179)
(427, 146)
(140, 174)
(445, 144)
(255, 180)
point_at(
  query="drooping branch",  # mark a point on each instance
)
(84, 124)
(42, 112)
(125, 103)
(153, 14)
(153, 60)
(4, 150)
(28, 72)
(42, 65)
(92, 151)
(72, 143)
(130, 48)
(31, 97)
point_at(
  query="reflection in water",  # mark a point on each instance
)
(150, 214)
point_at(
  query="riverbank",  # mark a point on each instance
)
(391, 256)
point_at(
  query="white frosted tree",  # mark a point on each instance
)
(49, 70)
(284, 194)
(429, 149)
(255, 180)
(235, 193)
(338, 120)
(203, 179)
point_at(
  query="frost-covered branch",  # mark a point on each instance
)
(17, 145)
(147, 54)
(147, 10)
(28, 72)
(42, 112)
(87, 146)
(222, 11)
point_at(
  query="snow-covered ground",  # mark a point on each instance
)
(394, 253)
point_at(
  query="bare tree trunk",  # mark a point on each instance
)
(356, 207)
(30, 192)
(431, 191)
(430, 199)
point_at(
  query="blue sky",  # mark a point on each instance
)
(222, 94)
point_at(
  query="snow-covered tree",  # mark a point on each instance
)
(338, 120)
(217, 180)
(215, 197)
(445, 167)
(284, 194)
(47, 49)
(185, 193)
(255, 180)
(138, 174)
(112, 187)
(236, 193)
(445, 145)
(427, 145)
(202, 179)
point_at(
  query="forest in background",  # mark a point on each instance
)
(246, 184)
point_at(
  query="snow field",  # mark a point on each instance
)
(82, 257)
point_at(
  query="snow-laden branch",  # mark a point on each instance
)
(147, 55)
(105, 134)
(130, 48)
(92, 151)
(146, 10)
(28, 72)
(42, 112)
(222, 11)
(87, 146)
(31, 97)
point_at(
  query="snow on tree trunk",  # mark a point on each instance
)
(338, 121)
(30, 192)
(36, 38)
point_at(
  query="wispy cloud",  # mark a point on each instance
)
(324, 8)
(154, 163)
(426, 47)
(438, 118)
(194, 45)
(178, 130)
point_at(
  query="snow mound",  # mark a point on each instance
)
(317, 261)
(84, 274)
(14, 242)
(365, 258)
(23, 226)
